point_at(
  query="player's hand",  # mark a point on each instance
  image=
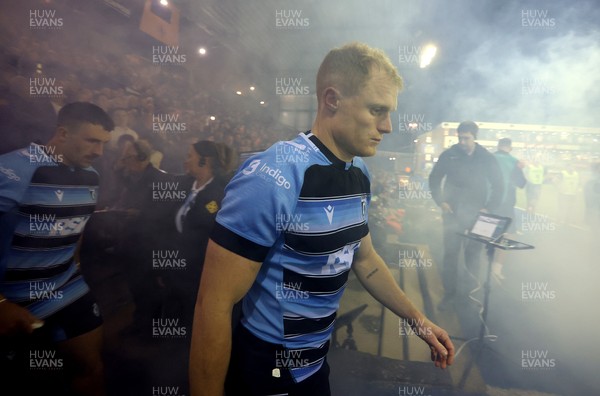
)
(15, 319)
(442, 349)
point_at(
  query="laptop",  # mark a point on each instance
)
(489, 227)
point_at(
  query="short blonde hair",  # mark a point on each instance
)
(348, 68)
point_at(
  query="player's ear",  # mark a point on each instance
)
(331, 98)
(61, 133)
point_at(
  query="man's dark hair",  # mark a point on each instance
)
(84, 113)
(505, 142)
(224, 157)
(468, 126)
(205, 148)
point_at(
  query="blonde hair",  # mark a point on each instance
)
(348, 68)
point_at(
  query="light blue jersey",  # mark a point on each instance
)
(302, 212)
(44, 206)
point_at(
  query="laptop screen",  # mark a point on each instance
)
(490, 226)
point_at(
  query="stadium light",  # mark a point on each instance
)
(427, 55)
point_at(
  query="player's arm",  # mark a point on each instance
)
(14, 319)
(225, 280)
(377, 279)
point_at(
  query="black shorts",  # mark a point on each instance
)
(79, 317)
(251, 367)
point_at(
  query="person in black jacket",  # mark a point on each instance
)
(208, 166)
(145, 202)
(465, 180)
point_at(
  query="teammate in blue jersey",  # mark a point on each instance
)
(47, 194)
(293, 223)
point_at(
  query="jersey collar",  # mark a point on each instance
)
(335, 161)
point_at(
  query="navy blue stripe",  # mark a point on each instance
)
(324, 181)
(237, 244)
(15, 275)
(30, 242)
(63, 176)
(293, 327)
(325, 244)
(329, 199)
(314, 284)
(58, 211)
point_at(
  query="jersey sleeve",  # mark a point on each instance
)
(15, 174)
(260, 195)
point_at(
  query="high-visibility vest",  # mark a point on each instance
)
(535, 174)
(570, 182)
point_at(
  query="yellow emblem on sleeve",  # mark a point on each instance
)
(212, 206)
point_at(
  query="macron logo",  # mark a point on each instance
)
(329, 212)
(59, 194)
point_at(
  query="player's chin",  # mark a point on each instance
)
(368, 151)
(85, 163)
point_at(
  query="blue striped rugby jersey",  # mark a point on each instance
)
(44, 206)
(302, 212)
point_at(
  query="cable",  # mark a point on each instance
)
(491, 337)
